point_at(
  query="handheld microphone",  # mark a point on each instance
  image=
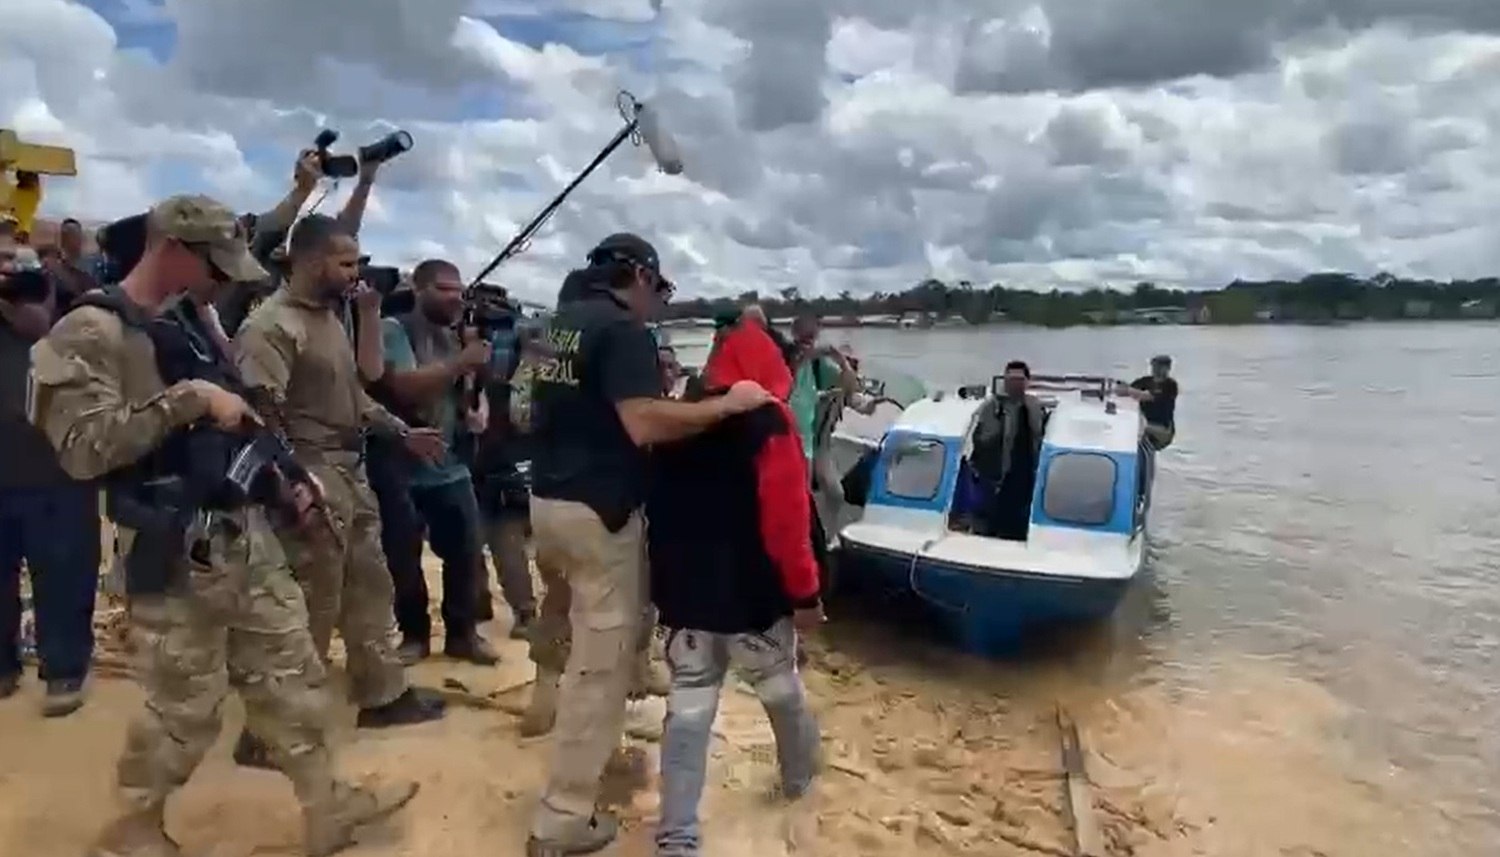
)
(663, 147)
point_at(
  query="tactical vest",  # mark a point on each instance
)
(198, 468)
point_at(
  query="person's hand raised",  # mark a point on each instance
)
(366, 299)
(308, 171)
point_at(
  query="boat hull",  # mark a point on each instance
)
(985, 611)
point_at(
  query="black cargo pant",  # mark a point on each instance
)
(447, 516)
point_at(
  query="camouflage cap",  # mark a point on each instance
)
(202, 222)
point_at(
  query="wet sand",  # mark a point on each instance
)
(929, 752)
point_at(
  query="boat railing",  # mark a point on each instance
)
(1089, 386)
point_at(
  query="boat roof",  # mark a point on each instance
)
(1080, 423)
(1078, 419)
(944, 415)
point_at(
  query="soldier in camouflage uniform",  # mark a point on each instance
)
(232, 616)
(295, 356)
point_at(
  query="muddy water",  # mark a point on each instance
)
(1309, 666)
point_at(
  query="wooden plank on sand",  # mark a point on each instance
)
(1080, 799)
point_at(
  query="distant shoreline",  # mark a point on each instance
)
(959, 324)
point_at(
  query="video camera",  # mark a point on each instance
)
(489, 309)
(347, 166)
(25, 286)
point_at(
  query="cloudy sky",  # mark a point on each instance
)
(830, 144)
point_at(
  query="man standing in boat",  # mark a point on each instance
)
(1007, 447)
(1157, 394)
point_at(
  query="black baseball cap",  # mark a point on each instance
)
(631, 248)
(1161, 360)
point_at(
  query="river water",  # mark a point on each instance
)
(1323, 596)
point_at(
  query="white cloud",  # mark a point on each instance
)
(830, 144)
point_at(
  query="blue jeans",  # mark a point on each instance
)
(55, 530)
(700, 662)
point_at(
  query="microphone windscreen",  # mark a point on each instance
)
(663, 147)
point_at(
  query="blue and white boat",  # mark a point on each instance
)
(1086, 539)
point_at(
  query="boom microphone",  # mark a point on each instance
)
(642, 125)
(663, 147)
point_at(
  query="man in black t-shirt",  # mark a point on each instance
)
(596, 405)
(1157, 394)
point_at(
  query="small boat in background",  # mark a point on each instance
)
(1085, 541)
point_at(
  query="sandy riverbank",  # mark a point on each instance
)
(930, 753)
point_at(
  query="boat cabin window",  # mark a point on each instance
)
(915, 471)
(1080, 489)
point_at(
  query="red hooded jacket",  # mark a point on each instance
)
(747, 353)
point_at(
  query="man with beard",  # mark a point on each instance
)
(299, 366)
(223, 610)
(425, 371)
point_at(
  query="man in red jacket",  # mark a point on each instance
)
(734, 579)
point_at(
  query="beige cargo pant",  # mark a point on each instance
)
(239, 622)
(603, 578)
(343, 575)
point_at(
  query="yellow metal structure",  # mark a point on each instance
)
(22, 195)
(21, 157)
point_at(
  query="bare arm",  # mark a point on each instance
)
(417, 386)
(279, 219)
(352, 216)
(425, 384)
(649, 421)
(848, 378)
(77, 399)
(369, 352)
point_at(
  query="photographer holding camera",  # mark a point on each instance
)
(501, 470)
(268, 232)
(428, 370)
(36, 500)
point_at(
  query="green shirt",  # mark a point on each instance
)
(807, 383)
(401, 357)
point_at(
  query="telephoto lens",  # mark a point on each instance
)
(386, 147)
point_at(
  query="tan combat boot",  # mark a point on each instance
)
(329, 827)
(136, 834)
(541, 714)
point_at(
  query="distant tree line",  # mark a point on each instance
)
(1316, 298)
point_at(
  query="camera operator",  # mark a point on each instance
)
(499, 479)
(426, 368)
(47, 520)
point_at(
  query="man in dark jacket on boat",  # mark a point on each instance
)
(1007, 446)
(733, 576)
